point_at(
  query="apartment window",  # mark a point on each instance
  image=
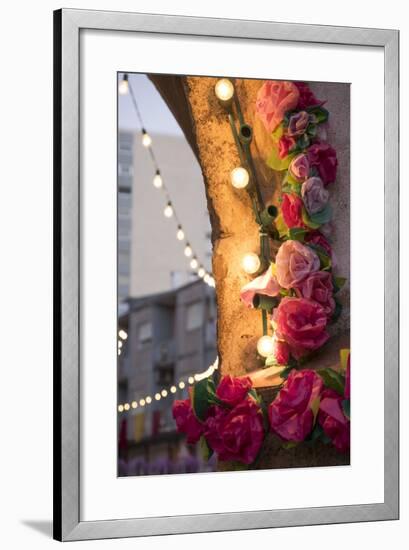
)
(194, 316)
(145, 333)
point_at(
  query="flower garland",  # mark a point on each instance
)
(297, 291)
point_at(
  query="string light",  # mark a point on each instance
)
(146, 138)
(157, 180)
(194, 263)
(171, 391)
(122, 334)
(168, 210)
(180, 234)
(239, 177)
(251, 263)
(123, 86)
(265, 346)
(201, 272)
(120, 344)
(206, 279)
(224, 89)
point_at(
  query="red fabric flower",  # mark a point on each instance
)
(285, 143)
(324, 157)
(281, 352)
(290, 414)
(302, 324)
(236, 434)
(233, 390)
(307, 98)
(315, 237)
(318, 286)
(186, 420)
(291, 208)
(333, 421)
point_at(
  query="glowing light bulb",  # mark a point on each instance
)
(265, 346)
(157, 180)
(157, 396)
(250, 263)
(146, 138)
(120, 344)
(123, 86)
(164, 393)
(142, 402)
(224, 89)
(168, 210)
(120, 408)
(173, 389)
(194, 263)
(127, 407)
(122, 334)
(188, 250)
(212, 282)
(180, 234)
(239, 177)
(148, 400)
(206, 278)
(191, 380)
(201, 272)
(181, 385)
(119, 352)
(134, 404)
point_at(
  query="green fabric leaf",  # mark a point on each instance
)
(325, 260)
(203, 395)
(315, 435)
(297, 233)
(281, 226)
(338, 283)
(276, 163)
(332, 379)
(278, 132)
(324, 216)
(346, 407)
(205, 449)
(337, 311)
(307, 220)
(321, 114)
(287, 445)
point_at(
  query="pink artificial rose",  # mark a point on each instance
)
(274, 99)
(290, 414)
(307, 98)
(302, 324)
(314, 195)
(324, 157)
(236, 434)
(186, 420)
(297, 125)
(265, 284)
(291, 209)
(233, 390)
(318, 286)
(294, 262)
(299, 167)
(285, 144)
(281, 352)
(333, 420)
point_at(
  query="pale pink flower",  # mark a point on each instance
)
(265, 284)
(294, 262)
(274, 99)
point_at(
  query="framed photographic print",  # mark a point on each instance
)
(226, 274)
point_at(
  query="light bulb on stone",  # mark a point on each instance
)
(239, 177)
(168, 210)
(180, 234)
(250, 263)
(188, 250)
(194, 263)
(265, 346)
(157, 180)
(123, 86)
(146, 138)
(224, 89)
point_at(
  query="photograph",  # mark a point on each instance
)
(233, 274)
